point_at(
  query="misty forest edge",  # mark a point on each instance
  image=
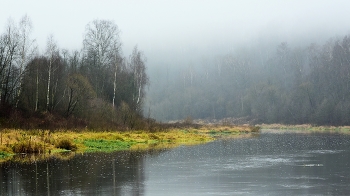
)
(98, 88)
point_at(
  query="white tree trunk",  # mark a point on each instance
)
(114, 85)
(51, 50)
(140, 86)
(37, 88)
(48, 88)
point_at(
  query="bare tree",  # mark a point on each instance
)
(102, 39)
(51, 52)
(27, 50)
(8, 50)
(79, 90)
(117, 60)
(101, 49)
(138, 68)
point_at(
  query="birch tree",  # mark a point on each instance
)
(51, 53)
(101, 47)
(33, 89)
(138, 68)
(117, 61)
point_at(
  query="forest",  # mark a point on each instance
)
(95, 87)
(307, 83)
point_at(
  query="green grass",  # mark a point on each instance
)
(93, 145)
(4, 155)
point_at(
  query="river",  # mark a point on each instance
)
(270, 163)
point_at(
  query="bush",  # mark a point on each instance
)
(28, 147)
(255, 129)
(66, 144)
(153, 136)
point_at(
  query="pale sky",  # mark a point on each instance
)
(181, 26)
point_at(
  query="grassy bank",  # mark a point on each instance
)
(14, 141)
(306, 127)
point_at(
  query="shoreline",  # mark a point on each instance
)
(47, 143)
(305, 127)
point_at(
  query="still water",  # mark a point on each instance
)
(270, 163)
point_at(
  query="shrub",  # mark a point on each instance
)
(255, 129)
(28, 147)
(153, 136)
(66, 144)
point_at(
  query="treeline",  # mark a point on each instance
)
(94, 87)
(298, 85)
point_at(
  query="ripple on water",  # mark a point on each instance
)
(296, 186)
(256, 162)
(303, 177)
(324, 151)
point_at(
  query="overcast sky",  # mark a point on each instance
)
(181, 26)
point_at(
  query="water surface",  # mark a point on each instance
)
(282, 163)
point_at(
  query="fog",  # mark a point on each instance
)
(176, 36)
(168, 26)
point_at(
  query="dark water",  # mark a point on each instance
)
(268, 164)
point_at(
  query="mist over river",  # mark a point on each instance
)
(269, 163)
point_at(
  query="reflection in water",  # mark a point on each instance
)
(116, 173)
(270, 164)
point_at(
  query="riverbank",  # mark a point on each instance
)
(306, 127)
(15, 141)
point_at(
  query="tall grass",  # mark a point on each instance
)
(28, 147)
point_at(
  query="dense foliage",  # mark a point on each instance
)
(308, 84)
(94, 87)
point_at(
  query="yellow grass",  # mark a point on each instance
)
(47, 142)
